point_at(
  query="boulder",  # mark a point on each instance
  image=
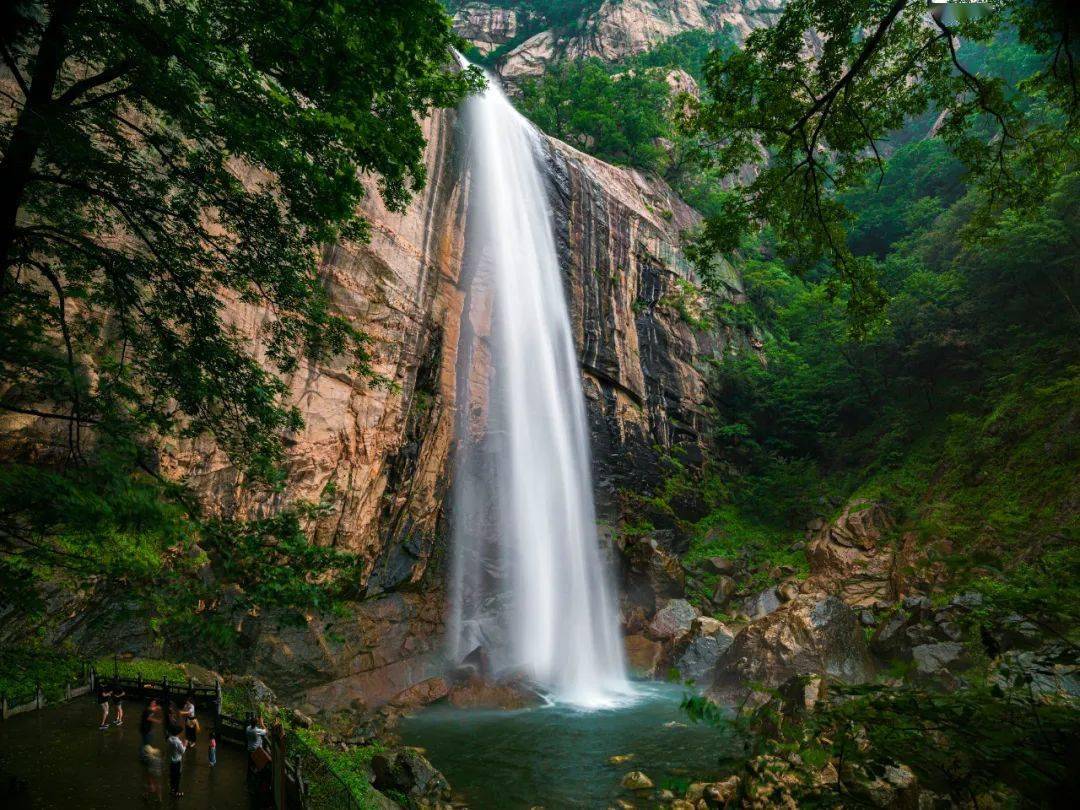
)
(1053, 669)
(896, 789)
(707, 626)
(722, 565)
(650, 573)
(721, 794)
(900, 632)
(806, 636)
(933, 659)
(636, 780)
(698, 660)
(672, 620)
(408, 772)
(301, 719)
(849, 556)
(761, 604)
(643, 655)
(695, 791)
(725, 587)
(787, 591)
(481, 693)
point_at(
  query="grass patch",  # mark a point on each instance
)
(330, 772)
(729, 533)
(148, 669)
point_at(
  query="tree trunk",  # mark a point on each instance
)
(22, 148)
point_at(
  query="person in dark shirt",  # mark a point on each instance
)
(151, 715)
(118, 703)
(104, 693)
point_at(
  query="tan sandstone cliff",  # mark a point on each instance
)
(388, 450)
(618, 28)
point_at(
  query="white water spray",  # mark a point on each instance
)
(529, 583)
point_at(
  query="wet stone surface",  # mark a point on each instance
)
(58, 758)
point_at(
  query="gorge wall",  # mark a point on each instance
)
(380, 453)
(609, 30)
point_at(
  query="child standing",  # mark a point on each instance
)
(213, 748)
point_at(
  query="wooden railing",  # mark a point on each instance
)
(163, 690)
(11, 705)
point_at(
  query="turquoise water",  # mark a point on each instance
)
(557, 757)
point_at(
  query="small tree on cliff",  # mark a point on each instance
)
(159, 160)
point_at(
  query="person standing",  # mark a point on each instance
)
(255, 734)
(191, 725)
(104, 693)
(118, 703)
(150, 716)
(213, 748)
(176, 747)
(151, 760)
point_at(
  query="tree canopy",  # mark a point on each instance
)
(812, 102)
(161, 160)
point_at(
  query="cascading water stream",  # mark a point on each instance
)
(529, 584)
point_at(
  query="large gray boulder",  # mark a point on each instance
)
(806, 636)
(934, 659)
(673, 620)
(698, 660)
(761, 604)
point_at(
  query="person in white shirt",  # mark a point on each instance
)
(176, 747)
(191, 725)
(255, 734)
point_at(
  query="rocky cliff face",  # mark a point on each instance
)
(488, 26)
(382, 454)
(618, 28)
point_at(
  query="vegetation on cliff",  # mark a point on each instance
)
(916, 307)
(161, 162)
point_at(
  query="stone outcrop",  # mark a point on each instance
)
(373, 654)
(697, 657)
(407, 772)
(618, 237)
(621, 28)
(673, 620)
(487, 26)
(643, 655)
(806, 636)
(854, 556)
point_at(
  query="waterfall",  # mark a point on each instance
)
(529, 583)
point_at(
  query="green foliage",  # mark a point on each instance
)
(687, 51)
(24, 667)
(815, 127)
(329, 771)
(615, 117)
(969, 379)
(973, 741)
(685, 298)
(163, 163)
(149, 669)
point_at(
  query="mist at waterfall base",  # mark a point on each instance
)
(558, 756)
(529, 586)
